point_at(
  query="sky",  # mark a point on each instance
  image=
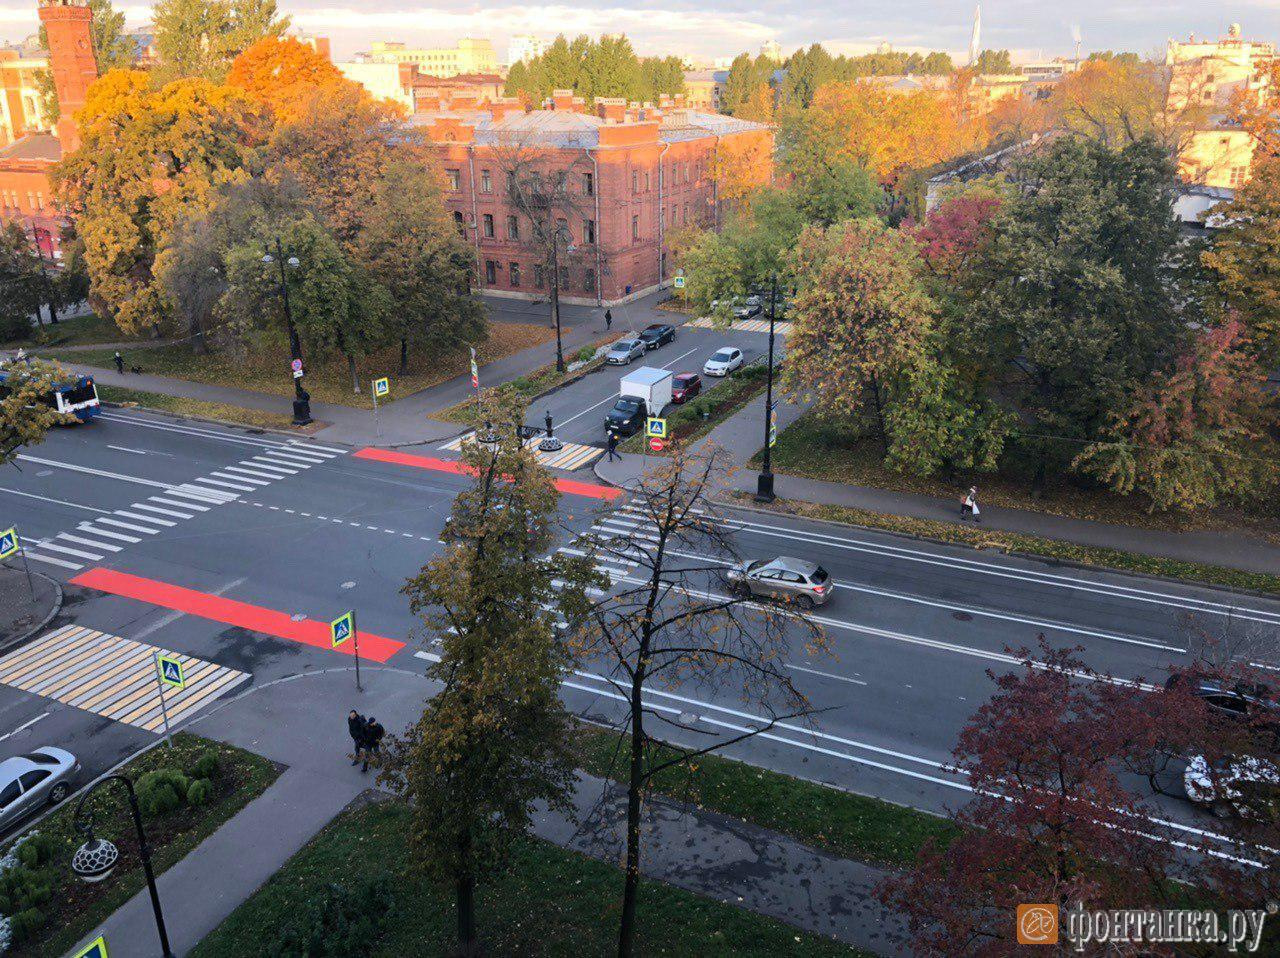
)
(712, 28)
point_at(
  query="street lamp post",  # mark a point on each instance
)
(764, 482)
(301, 398)
(97, 857)
(555, 291)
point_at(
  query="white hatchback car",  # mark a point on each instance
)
(725, 360)
(1243, 785)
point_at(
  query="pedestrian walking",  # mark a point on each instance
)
(969, 506)
(20, 356)
(373, 733)
(608, 320)
(119, 361)
(612, 446)
(358, 730)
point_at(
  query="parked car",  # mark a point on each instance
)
(30, 781)
(793, 580)
(658, 334)
(725, 360)
(1254, 703)
(685, 386)
(624, 350)
(741, 307)
(1243, 785)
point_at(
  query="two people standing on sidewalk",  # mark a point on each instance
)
(366, 736)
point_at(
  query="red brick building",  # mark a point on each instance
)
(25, 193)
(620, 178)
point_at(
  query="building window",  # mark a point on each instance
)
(635, 182)
(589, 184)
(513, 227)
(588, 231)
(486, 182)
(488, 226)
(539, 277)
(635, 228)
(455, 179)
(647, 187)
(684, 214)
(562, 181)
(564, 277)
(490, 271)
(562, 229)
(589, 281)
(460, 223)
(515, 274)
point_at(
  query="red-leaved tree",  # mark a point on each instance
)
(955, 232)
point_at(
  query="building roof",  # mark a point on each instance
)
(38, 147)
(570, 129)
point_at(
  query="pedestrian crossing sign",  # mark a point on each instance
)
(8, 542)
(656, 428)
(340, 629)
(95, 949)
(679, 282)
(170, 671)
(381, 387)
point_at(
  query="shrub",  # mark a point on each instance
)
(346, 921)
(25, 923)
(200, 792)
(162, 791)
(37, 850)
(206, 766)
(586, 354)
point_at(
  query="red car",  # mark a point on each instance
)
(685, 386)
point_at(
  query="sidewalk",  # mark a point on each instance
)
(709, 854)
(742, 435)
(407, 420)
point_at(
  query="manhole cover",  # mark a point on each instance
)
(297, 616)
(348, 585)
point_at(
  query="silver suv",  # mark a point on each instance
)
(793, 580)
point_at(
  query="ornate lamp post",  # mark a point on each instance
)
(764, 482)
(301, 398)
(97, 857)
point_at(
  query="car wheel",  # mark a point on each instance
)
(59, 793)
(1222, 809)
(805, 601)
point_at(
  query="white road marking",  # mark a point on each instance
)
(49, 544)
(73, 566)
(105, 473)
(220, 484)
(25, 725)
(289, 457)
(136, 452)
(60, 502)
(137, 518)
(163, 512)
(827, 675)
(271, 466)
(92, 543)
(316, 447)
(235, 478)
(183, 505)
(145, 530)
(206, 496)
(255, 473)
(119, 536)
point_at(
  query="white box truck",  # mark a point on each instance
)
(642, 393)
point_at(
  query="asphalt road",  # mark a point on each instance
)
(268, 535)
(578, 409)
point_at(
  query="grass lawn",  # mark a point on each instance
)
(551, 902)
(685, 423)
(852, 826)
(982, 538)
(80, 331)
(832, 451)
(74, 907)
(194, 407)
(266, 369)
(532, 385)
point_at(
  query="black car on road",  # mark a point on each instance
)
(658, 334)
(626, 417)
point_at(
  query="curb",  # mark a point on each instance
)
(57, 607)
(1029, 556)
(186, 417)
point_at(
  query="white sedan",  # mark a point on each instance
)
(725, 361)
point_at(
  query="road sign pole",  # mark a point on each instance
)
(355, 647)
(164, 708)
(377, 426)
(27, 566)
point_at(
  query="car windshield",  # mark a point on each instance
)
(723, 356)
(40, 759)
(628, 405)
(684, 380)
(623, 346)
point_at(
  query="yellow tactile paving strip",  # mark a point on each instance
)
(113, 677)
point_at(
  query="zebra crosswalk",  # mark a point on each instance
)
(113, 531)
(617, 540)
(574, 455)
(114, 677)
(781, 327)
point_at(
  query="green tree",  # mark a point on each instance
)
(807, 70)
(200, 38)
(712, 271)
(739, 86)
(25, 416)
(20, 282)
(1245, 258)
(495, 740)
(112, 49)
(994, 61)
(1083, 290)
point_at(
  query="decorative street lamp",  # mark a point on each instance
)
(557, 235)
(764, 482)
(97, 857)
(301, 398)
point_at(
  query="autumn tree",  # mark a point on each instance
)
(1194, 435)
(283, 74)
(956, 233)
(495, 739)
(1049, 821)
(673, 621)
(148, 158)
(112, 50)
(1121, 101)
(20, 282)
(200, 38)
(1245, 257)
(25, 413)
